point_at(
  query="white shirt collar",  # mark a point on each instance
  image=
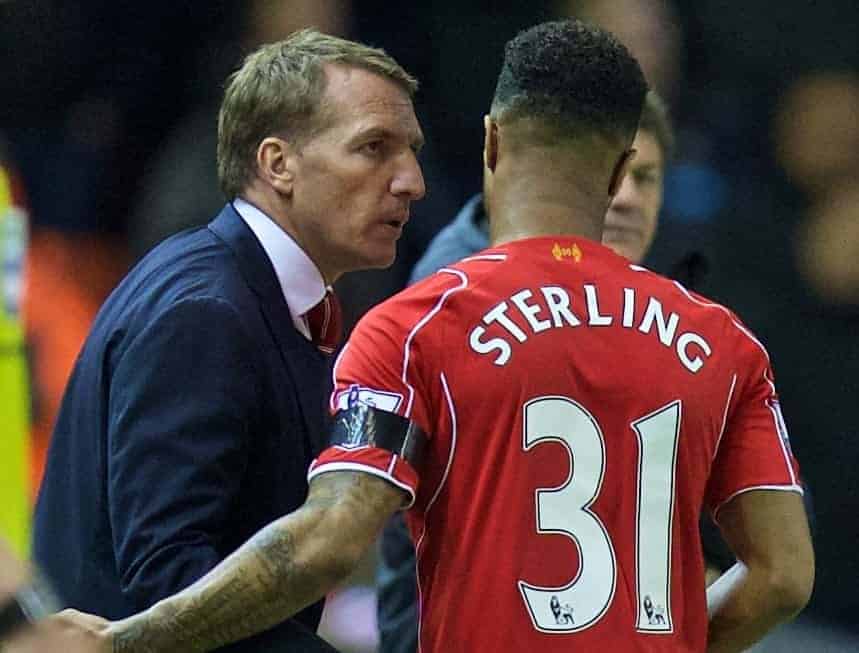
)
(300, 280)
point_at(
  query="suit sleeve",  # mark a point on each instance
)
(182, 395)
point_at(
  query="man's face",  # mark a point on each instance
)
(630, 223)
(355, 179)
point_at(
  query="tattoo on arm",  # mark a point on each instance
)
(285, 567)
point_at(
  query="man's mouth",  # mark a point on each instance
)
(398, 222)
(620, 232)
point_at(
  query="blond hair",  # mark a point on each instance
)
(279, 89)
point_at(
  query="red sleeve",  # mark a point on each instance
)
(370, 460)
(386, 364)
(754, 450)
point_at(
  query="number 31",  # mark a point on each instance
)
(565, 510)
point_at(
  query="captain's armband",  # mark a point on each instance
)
(362, 425)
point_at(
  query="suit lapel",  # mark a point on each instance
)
(308, 368)
(259, 273)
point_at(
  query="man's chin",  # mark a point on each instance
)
(623, 247)
(381, 260)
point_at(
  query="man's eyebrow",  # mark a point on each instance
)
(374, 131)
(416, 140)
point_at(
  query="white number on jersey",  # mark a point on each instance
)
(566, 510)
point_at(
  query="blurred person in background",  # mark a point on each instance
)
(24, 598)
(553, 162)
(649, 28)
(68, 277)
(14, 376)
(88, 91)
(817, 144)
(791, 246)
(197, 402)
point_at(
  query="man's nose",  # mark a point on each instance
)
(626, 194)
(409, 179)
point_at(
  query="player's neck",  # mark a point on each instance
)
(537, 211)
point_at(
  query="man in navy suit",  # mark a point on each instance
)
(197, 402)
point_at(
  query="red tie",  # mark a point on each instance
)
(325, 322)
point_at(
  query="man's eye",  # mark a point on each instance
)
(373, 147)
(646, 177)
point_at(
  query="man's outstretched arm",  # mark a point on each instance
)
(774, 575)
(286, 566)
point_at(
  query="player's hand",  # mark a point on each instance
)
(69, 631)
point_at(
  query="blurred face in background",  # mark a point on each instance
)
(649, 28)
(630, 222)
(816, 133)
(273, 20)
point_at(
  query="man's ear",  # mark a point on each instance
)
(276, 164)
(620, 170)
(490, 143)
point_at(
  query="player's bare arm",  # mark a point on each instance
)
(772, 582)
(285, 567)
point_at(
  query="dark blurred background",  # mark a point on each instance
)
(108, 114)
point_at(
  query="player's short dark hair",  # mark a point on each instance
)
(656, 121)
(572, 77)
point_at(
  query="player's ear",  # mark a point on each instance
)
(490, 143)
(276, 163)
(620, 170)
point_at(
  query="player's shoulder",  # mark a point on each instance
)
(715, 317)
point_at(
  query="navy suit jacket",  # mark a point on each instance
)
(189, 422)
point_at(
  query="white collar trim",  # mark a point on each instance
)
(300, 280)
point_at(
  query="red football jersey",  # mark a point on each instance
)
(581, 412)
